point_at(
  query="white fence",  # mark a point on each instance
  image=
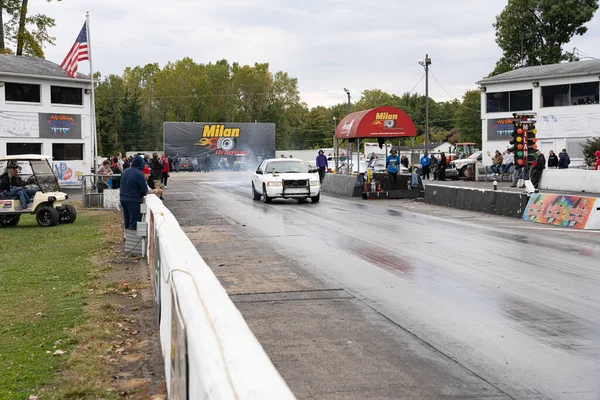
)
(209, 351)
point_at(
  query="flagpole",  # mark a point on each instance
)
(92, 98)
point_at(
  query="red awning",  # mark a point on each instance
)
(380, 122)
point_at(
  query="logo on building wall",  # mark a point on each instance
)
(60, 124)
(63, 171)
(221, 140)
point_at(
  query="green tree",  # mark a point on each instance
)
(317, 130)
(28, 33)
(590, 147)
(533, 32)
(468, 117)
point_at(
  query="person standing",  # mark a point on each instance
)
(433, 166)
(177, 160)
(392, 164)
(120, 161)
(133, 188)
(552, 160)
(425, 164)
(442, 167)
(563, 160)
(156, 167)
(322, 165)
(165, 171)
(207, 163)
(537, 169)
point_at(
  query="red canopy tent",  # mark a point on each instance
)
(377, 123)
(380, 122)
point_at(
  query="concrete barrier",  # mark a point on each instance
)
(571, 180)
(509, 204)
(342, 185)
(575, 212)
(209, 351)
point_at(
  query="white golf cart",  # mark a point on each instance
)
(47, 203)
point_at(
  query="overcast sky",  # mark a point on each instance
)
(327, 44)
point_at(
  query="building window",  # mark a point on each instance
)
(16, 149)
(22, 92)
(555, 96)
(67, 152)
(521, 100)
(574, 147)
(575, 94)
(66, 95)
(498, 102)
(584, 93)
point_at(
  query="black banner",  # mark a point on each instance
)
(60, 126)
(500, 129)
(198, 139)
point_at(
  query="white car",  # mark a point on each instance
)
(461, 165)
(285, 178)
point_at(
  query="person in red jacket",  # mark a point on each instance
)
(597, 166)
(165, 171)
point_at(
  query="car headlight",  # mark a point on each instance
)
(315, 183)
(274, 183)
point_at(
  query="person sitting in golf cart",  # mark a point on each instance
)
(13, 186)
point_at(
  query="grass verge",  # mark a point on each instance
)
(46, 280)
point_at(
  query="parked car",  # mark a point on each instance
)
(378, 165)
(47, 204)
(461, 165)
(285, 178)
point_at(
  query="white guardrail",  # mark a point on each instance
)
(209, 350)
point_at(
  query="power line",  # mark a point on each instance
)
(413, 89)
(452, 97)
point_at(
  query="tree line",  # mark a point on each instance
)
(132, 107)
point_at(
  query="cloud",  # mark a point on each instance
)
(326, 44)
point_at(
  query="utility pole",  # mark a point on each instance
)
(426, 65)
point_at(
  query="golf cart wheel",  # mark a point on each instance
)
(266, 198)
(255, 194)
(316, 198)
(69, 214)
(47, 216)
(10, 221)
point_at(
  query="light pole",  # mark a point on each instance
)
(426, 65)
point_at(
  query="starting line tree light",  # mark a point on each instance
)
(524, 143)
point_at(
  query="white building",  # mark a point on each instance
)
(44, 111)
(564, 96)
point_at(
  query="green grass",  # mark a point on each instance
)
(47, 271)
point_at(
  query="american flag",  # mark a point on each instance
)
(79, 52)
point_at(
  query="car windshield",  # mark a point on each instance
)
(286, 167)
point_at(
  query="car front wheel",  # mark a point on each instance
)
(463, 171)
(266, 198)
(255, 194)
(315, 199)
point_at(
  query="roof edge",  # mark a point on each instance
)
(48, 77)
(567, 75)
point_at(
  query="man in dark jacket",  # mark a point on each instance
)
(322, 164)
(537, 169)
(133, 188)
(156, 166)
(563, 160)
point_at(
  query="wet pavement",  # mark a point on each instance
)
(356, 299)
